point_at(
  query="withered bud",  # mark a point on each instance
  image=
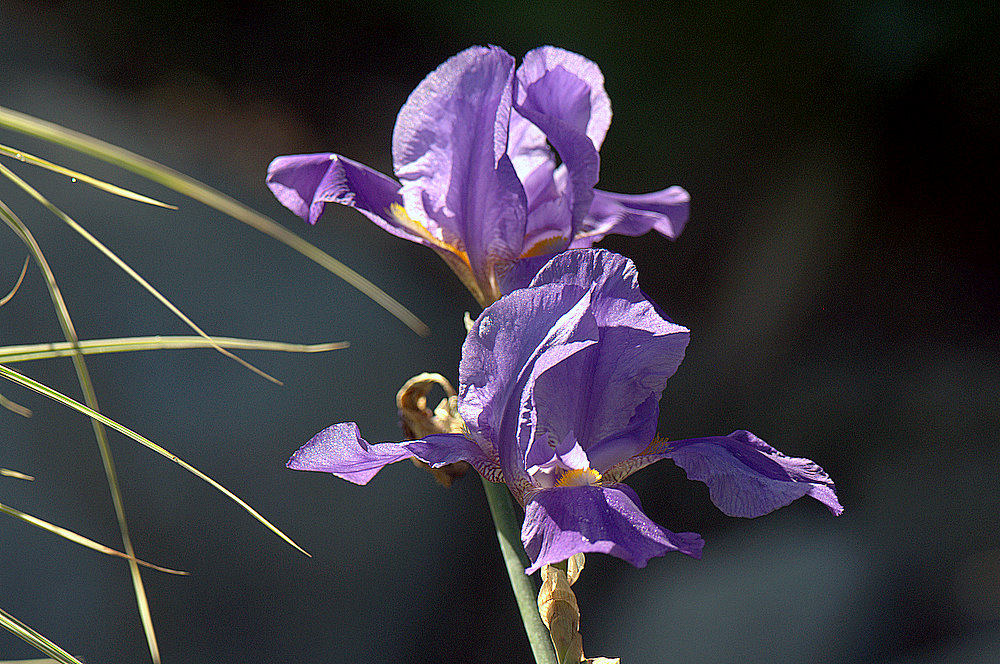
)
(419, 421)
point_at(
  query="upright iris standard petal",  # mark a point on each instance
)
(557, 101)
(449, 152)
(527, 331)
(590, 114)
(561, 99)
(639, 351)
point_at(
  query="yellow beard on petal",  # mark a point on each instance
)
(581, 477)
(657, 446)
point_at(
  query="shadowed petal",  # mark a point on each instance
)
(581, 350)
(525, 332)
(449, 153)
(618, 299)
(563, 521)
(614, 407)
(550, 218)
(521, 273)
(439, 450)
(558, 102)
(580, 101)
(340, 450)
(664, 211)
(747, 477)
(591, 116)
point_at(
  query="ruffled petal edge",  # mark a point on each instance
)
(747, 477)
(564, 521)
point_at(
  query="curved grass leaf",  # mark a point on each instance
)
(76, 176)
(10, 354)
(32, 637)
(24, 381)
(101, 435)
(80, 539)
(9, 296)
(34, 193)
(7, 472)
(202, 193)
(14, 407)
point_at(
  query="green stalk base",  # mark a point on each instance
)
(509, 534)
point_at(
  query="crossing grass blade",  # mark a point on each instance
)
(44, 351)
(101, 435)
(188, 186)
(80, 539)
(77, 176)
(69, 221)
(31, 384)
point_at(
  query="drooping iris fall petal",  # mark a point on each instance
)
(561, 522)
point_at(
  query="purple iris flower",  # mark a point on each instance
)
(560, 385)
(475, 152)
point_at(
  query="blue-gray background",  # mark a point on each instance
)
(839, 274)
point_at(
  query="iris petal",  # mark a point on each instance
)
(525, 332)
(664, 211)
(539, 61)
(613, 407)
(442, 449)
(305, 183)
(340, 450)
(449, 152)
(747, 477)
(544, 106)
(479, 181)
(564, 521)
(581, 350)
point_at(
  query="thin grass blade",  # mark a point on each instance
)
(122, 265)
(22, 631)
(202, 193)
(80, 539)
(24, 270)
(90, 396)
(24, 381)
(20, 155)
(14, 407)
(11, 354)
(7, 472)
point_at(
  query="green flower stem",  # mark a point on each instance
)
(509, 534)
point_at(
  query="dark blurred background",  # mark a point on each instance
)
(839, 274)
